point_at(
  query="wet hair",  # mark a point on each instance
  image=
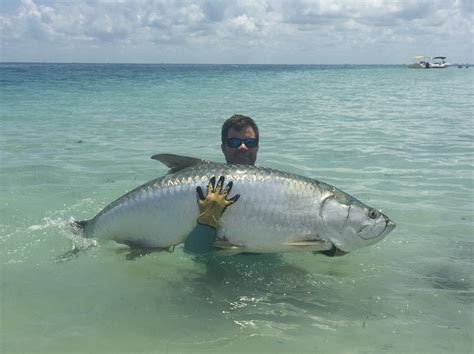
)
(238, 122)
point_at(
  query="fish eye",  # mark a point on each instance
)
(373, 214)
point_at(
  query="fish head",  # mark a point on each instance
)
(350, 224)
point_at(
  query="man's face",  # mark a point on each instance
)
(241, 154)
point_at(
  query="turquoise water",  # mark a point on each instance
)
(75, 137)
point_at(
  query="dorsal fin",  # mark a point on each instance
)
(177, 162)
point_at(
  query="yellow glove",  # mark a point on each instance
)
(214, 203)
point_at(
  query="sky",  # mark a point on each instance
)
(236, 31)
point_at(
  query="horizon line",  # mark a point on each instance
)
(179, 63)
(234, 64)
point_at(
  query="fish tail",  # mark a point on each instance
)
(78, 227)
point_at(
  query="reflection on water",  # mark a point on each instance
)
(263, 291)
(454, 281)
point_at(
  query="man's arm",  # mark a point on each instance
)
(201, 239)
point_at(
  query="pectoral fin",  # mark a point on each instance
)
(226, 245)
(310, 245)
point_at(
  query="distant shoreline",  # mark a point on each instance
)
(201, 64)
(452, 65)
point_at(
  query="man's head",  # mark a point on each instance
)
(240, 140)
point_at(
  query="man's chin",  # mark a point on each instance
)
(242, 160)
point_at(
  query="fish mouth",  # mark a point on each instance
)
(389, 226)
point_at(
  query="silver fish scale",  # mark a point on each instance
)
(279, 207)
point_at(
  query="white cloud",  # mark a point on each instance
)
(235, 30)
(191, 13)
(244, 23)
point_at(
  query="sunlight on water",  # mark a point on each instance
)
(76, 137)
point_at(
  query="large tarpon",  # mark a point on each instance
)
(276, 212)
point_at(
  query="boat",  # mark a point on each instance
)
(439, 63)
(422, 62)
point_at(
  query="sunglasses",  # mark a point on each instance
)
(236, 142)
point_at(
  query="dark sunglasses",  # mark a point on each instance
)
(236, 142)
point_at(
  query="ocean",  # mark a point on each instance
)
(74, 137)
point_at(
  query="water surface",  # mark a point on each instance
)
(74, 137)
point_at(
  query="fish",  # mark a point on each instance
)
(277, 212)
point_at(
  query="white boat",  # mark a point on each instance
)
(439, 63)
(422, 62)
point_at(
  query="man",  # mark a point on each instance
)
(240, 141)
(239, 137)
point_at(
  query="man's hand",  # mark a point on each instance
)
(214, 203)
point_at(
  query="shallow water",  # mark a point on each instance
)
(75, 137)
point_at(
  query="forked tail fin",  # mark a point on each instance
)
(80, 241)
(78, 227)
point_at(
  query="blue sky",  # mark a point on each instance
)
(236, 31)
